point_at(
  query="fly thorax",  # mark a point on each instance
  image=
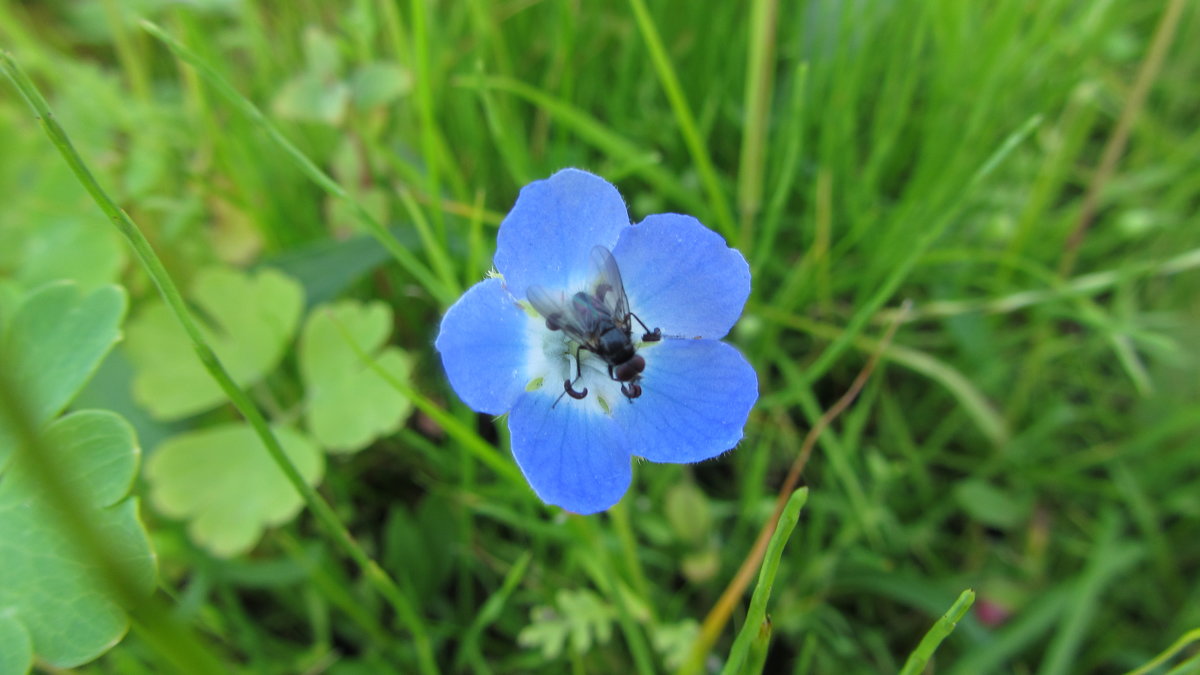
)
(615, 346)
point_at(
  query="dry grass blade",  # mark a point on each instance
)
(719, 615)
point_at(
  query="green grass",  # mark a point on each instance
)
(1030, 432)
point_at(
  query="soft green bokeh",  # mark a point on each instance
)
(248, 319)
(992, 505)
(221, 480)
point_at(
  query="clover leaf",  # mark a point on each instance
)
(54, 340)
(67, 248)
(18, 648)
(317, 94)
(350, 401)
(52, 599)
(223, 482)
(249, 322)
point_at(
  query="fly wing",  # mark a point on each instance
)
(559, 313)
(607, 286)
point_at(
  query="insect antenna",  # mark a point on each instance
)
(651, 335)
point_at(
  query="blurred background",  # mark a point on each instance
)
(1026, 173)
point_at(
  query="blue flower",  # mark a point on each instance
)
(679, 276)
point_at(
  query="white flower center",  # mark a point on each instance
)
(551, 363)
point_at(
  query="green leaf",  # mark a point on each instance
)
(321, 53)
(223, 482)
(688, 512)
(546, 631)
(50, 591)
(991, 505)
(673, 641)
(581, 616)
(379, 83)
(327, 267)
(350, 403)
(10, 298)
(249, 322)
(54, 341)
(66, 248)
(309, 97)
(17, 654)
(434, 531)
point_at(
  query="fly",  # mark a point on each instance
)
(598, 320)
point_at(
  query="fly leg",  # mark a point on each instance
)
(569, 386)
(629, 388)
(650, 335)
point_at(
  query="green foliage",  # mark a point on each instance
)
(421, 543)
(578, 619)
(315, 95)
(346, 372)
(18, 645)
(688, 512)
(1028, 433)
(223, 482)
(54, 601)
(66, 248)
(51, 591)
(674, 641)
(54, 340)
(379, 83)
(991, 505)
(249, 320)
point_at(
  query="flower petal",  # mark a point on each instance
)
(484, 346)
(547, 238)
(696, 395)
(681, 277)
(572, 456)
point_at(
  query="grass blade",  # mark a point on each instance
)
(756, 616)
(940, 630)
(607, 141)
(1179, 645)
(759, 80)
(687, 122)
(901, 271)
